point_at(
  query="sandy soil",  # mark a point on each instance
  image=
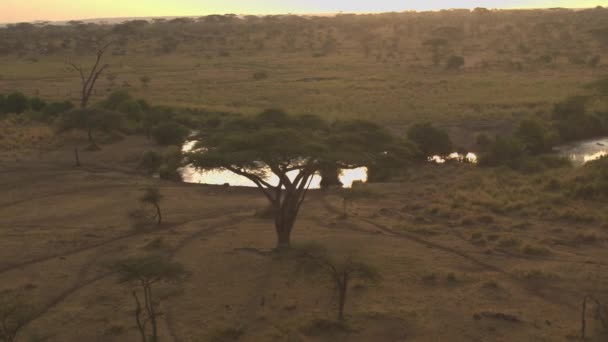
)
(61, 226)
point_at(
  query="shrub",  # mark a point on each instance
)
(115, 99)
(536, 250)
(503, 151)
(260, 75)
(321, 326)
(594, 61)
(172, 161)
(37, 104)
(2, 102)
(430, 140)
(534, 136)
(151, 162)
(509, 242)
(170, 133)
(55, 108)
(573, 122)
(132, 109)
(592, 184)
(454, 63)
(227, 334)
(16, 103)
(482, 141)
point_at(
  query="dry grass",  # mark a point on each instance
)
(337, 86)
(61, 227)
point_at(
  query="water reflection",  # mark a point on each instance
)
(461, 158)
(221, 176)
(584, 151)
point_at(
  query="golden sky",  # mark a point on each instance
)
(29, 10)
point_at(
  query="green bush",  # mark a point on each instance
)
(170, 133)
(594, 61)
(2, 102)
(55, 108)
(454, 63)
(430, 140)
(503, 152)
(573, 122)
(592, 183)
(535, 137)
(482, 140)
(151, 162)
(37, 104)
(16, 103)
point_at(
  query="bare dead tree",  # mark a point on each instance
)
(89, 78)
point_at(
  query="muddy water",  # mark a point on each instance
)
(582, 152)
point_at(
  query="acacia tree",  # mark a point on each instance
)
(340, 271)
(293, 149)
(142, 273)
(13, 317)
(89, 78)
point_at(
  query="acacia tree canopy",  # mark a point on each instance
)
(294, 149)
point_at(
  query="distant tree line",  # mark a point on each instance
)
(539, 37)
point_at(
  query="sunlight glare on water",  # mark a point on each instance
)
(585, 151)
(221, 177)
(469, 158)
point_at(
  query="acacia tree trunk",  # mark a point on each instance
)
(158, 214)
(286, 213)
(77, 156)
(138, 318)
(342, 291)
(283, 222)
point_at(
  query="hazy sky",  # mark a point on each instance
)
(29, 10)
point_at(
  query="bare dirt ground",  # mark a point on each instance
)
(454, 267)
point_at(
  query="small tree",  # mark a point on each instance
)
(142, 274)
(352, 194)
(13, 317)
(342, 272)
(153, 197)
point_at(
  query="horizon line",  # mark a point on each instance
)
(143, 17)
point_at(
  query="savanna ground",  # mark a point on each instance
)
(465, 254)
(464, 102)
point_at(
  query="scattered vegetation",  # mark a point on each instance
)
(341, 272)
(13, 316)
(141, 274)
